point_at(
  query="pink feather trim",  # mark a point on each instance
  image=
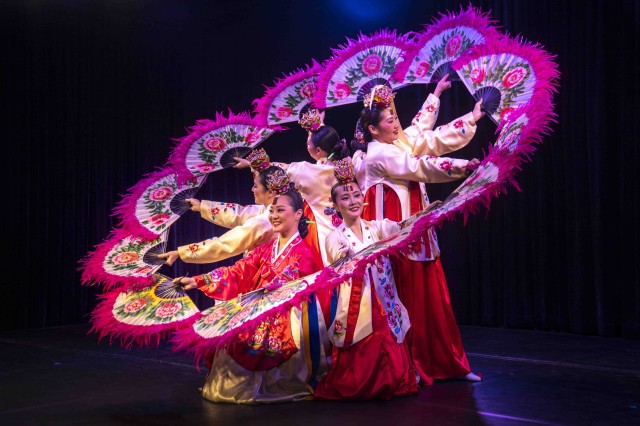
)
(105, 324)
(263, 104)
(382, 37)
(471, 17)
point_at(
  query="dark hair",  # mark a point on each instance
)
(368, 117)
(262, 176)
(296, 203)
(327, 139)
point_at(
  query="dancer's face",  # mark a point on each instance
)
(260, 192)
(315, 152)
(349, 201)
(284, 219)
(388, 128)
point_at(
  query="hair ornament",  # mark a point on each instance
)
(259, 160)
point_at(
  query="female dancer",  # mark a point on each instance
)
(269, 363)
(392, 191)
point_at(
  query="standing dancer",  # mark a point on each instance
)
(392, 192)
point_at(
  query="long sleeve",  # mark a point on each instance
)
(423, 122)
(253, 232)
(228, 215)
(228, 282)
(332, 245)
(390, 161)
(444, 139)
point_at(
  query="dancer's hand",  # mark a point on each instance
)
(473, 164)
(242, 163)
(170, 256)
(442, 85)
(195, 204)
(187, 283)
(477, 111)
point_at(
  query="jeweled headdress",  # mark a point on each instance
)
(259, 160)
(344, 171)
(381, 96)
(278, 182)
(311, 120)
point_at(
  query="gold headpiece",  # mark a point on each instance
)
(259, 160)
(311, 120)
(278, 182)
(344, 171)
(381, 96)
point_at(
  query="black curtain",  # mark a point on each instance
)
(95, 92)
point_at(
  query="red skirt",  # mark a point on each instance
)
(434, 338)
(377, 367)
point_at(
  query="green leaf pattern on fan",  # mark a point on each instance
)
(288, 102)
(510, 79)
(374, 62)
(157, 200)
(127, 257)
(442, 52)
(214, 143)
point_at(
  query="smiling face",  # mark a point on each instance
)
(260, 192)
(284, 219)
(349, 201)
(388, 129)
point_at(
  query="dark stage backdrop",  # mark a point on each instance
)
(93, 91)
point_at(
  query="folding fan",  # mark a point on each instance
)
(143, 316)
(211, 145)
(430, 54)
(285, 101)
(357, 64)
(225, 319)
(506, 75)
(155, 203)
(124, 261)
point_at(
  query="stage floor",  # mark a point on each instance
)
(62, 376)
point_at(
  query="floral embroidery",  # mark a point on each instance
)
(430, 108)
(336, 220)
(214, 211)
(338, 328)
(458, 124)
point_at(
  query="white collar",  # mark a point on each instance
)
(277, 253)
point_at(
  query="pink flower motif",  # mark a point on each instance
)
(205, 167)
(338, 328)
(504, 114)
(513, 77)
(283, 112)
(215, 144)
(125, 257)
(161, 194)
(143, 270)
(430, 108)
(453, 45)
(510, 139)
(274, 344)
(446, 165)
(135, 305)
(167, 310)
(342, 90)
(252, 137)
(230, 205)
(308, 90)
(215, 315)
(215, 211)
(372, 64)
(159, 219)
(422, 69)
(256, 340)
(458, 124)
(478, 75)
(336, 220)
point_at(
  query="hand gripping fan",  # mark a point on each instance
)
(143, 316)
(124, 260)
(212, 144)
(285, 101)
(507, 75)
(357, 64)
(430, 54)
(155, 203)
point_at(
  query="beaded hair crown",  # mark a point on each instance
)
(381, 96)
(259, 160)
(310, 120)
(278, 182)
(344, 171)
